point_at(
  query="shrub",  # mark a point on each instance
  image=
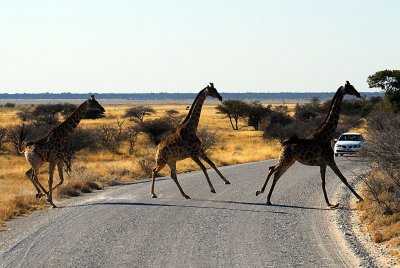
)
(9, 105)
(209, 139)
(17, 134)
(276, 127)
(111, 136)
(383, 152)
(156, 129)
(299, 128)
(79, 139)
(146, 163)
(3, 137)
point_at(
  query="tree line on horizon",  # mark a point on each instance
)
(281, 96)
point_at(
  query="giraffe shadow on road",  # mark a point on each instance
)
(127, 203)
(265, 205)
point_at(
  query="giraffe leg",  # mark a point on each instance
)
(155, 171)
(335, 169)
(323, 171)
(50, 194)
(203, 168)
(279, 171)
(211, 163)
(172, 166)
(60, 165)
(35, 172)
(272, 171)
(29, 174)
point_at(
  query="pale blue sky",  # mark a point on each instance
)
(180, 46)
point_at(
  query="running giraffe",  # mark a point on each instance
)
(315, 150)
(50, 148)
(184, 143)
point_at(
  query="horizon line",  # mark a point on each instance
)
(163, 92)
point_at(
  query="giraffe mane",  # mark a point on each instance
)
(64, 122)
(50, 132)
(191, 107)
(330, 108)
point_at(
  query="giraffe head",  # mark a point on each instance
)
(212, 91)
(350, 90)
(93, 104)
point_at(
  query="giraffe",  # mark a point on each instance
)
(50, 149)
(315, 150)
(184, 143)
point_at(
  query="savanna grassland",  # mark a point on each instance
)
(96, 170)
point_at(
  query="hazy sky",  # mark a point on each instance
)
(180, 46)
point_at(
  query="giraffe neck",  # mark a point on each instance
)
(64, 129)
(328, 128)
(191, 121)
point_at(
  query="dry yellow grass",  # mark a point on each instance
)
(107, 168)
(16, 192)
(7, 116)
(362, 128)
(383, 229)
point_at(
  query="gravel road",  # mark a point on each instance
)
(124, 227)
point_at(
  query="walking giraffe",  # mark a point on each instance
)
(315, 150)
(50, 148)
(184, 143)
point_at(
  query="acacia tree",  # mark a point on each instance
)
(388, 81)
(24, 114)
(45, 115)
(256, 112)
(234, 110)
(139, 112)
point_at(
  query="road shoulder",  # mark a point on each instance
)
(349, 230)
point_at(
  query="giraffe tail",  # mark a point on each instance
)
(21, 139)
(294, 140)
(291, 140)
(21, 147)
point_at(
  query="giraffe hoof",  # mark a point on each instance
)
(51, 203)
(186, 196)
(269, 203)
(39, 195)
(258, 192)
(213, 191)
(153, 196)
(227, 182)
(333, 206)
